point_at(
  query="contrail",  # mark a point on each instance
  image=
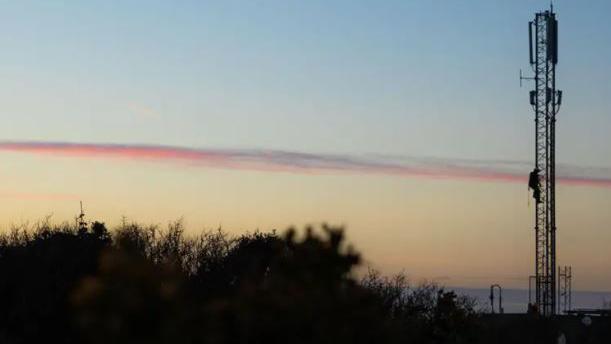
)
(296, 162)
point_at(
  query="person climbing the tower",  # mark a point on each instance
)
(534, 183)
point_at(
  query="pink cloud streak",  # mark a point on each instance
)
(285, 161)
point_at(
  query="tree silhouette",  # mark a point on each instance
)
(141, 284)
(38, 272)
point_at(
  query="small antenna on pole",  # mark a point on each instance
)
(81, 224)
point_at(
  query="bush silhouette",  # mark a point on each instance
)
(141, 284)
(426, 313)
(38, 272)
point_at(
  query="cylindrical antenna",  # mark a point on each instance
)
(552, 39)
(530, 42)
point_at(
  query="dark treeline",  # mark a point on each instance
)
(140, 284)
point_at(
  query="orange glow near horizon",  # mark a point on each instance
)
(458, 232)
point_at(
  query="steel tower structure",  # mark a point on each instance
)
(545, 100)
(565, 277)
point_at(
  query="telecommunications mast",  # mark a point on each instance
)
(545, 100)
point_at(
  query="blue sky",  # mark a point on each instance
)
(433, 78)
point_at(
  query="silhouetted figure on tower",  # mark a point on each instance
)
(534, 182)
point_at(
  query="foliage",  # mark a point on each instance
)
(141, 284)
(426, 313)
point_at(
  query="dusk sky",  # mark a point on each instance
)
(402, 120)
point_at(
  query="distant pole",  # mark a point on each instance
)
(530, 286)
(492, 298)
(80, 221)
(570, 288)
